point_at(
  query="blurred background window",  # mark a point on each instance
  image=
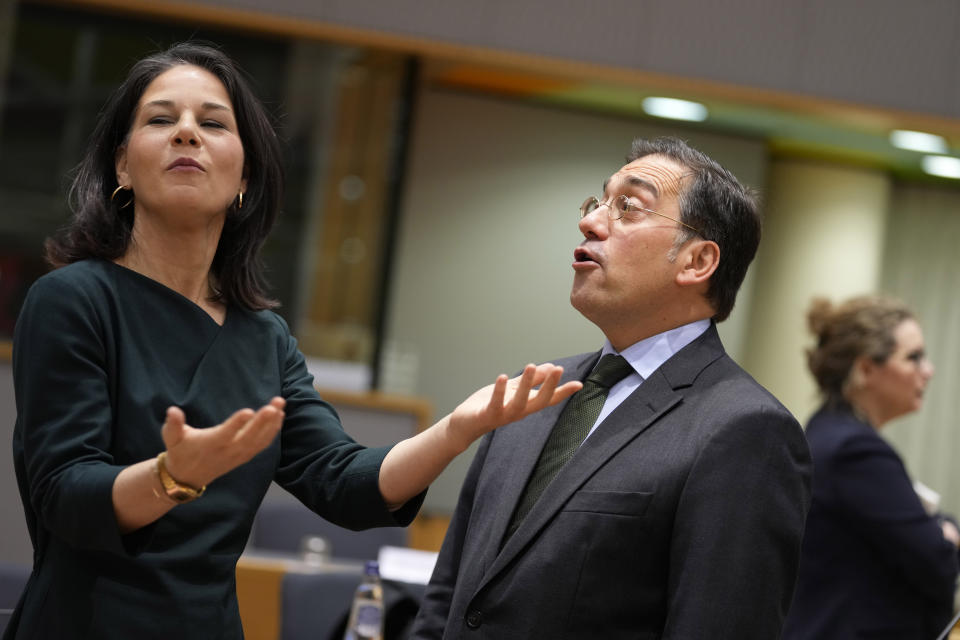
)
(341, 113)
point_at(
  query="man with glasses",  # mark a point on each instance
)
(667, 499)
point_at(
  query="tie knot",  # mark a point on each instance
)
(610, 370)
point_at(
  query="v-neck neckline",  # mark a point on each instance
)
(177, 294)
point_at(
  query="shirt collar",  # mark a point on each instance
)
(647, 355)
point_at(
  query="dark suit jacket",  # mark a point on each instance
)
(679, 517)
(874, 564)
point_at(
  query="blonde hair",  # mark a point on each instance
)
(861, 326)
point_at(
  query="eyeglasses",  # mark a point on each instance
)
(620, 207)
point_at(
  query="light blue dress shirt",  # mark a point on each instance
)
(646, 357)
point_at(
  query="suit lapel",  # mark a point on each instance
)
(653, 399)
(524, 441)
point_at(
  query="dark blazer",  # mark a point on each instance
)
(874, 564)
(679, 517)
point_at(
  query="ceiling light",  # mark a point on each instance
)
(943, 166)
(918, 141)
(675, 109)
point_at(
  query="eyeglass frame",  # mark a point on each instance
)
(612, 211)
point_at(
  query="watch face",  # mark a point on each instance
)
(181, 495)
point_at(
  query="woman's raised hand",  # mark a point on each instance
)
(510, 399)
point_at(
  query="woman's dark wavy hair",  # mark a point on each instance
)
(99, 227)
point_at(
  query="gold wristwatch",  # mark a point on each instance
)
(177, 491)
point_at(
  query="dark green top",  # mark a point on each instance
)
(100, 352)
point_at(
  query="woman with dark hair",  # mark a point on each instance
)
(158, 396)
(103, 207)
(874, 562)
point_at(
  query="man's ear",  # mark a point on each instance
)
(699, 259)
(120, 164)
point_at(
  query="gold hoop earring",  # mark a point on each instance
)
(118, 190)
(240, 200)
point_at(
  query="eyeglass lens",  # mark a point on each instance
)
(620, 206)
(589, 206)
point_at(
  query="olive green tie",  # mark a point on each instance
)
(572, 427)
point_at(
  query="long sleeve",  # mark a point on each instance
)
(320, 464)
(62, 441)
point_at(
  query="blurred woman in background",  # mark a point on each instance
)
(874, 563)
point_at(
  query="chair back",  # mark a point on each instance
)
(13, 578)
(282, 525)
(5, 615)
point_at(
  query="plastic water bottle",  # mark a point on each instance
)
(366, 614)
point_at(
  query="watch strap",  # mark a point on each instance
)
(177, 491)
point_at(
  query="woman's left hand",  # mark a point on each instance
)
(414, 463)
(508, 400)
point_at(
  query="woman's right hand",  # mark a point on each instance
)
(196, 457)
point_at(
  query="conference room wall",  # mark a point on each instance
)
(825, 230)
